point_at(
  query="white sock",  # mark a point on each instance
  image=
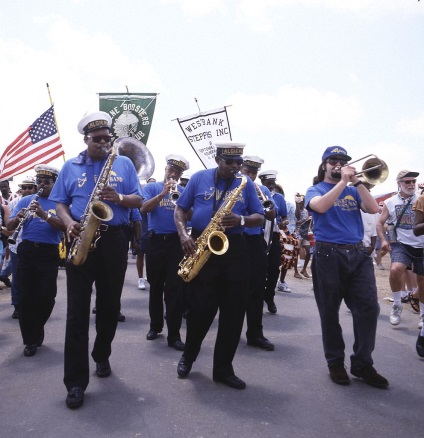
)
(397, 298)
(422, 331)
(421, 309)
(404, 293)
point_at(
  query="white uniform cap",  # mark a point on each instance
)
(45, 169)
(178, 161)
(253, 162)
(268, 174)
(93, 121)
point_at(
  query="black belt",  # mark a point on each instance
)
(167, 236)
(113, 228)
(40, 244)
(349, 246)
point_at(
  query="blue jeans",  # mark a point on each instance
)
(346, 274)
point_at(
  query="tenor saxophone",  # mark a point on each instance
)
(95, 213)
(212, 239)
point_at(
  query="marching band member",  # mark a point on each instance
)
(258, 263)
(38, 257)
(163, 253)
(268, 178)
(222, 282)
(106, 264)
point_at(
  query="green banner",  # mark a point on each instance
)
(132, 113)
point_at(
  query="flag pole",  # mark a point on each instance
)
(54, 115)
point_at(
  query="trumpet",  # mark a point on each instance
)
(173, 193)
(374, 170)
(27, 214)
(267, 204)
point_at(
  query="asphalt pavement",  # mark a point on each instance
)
(289, 392)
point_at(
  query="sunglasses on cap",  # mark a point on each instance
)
(230, 161)
(27, 187)
(99, 138)
(334, 161)
(409, 181)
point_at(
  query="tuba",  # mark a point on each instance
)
(95, 212)
(212, 239)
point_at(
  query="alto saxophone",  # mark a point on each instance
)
(95, 213)
(212, 239)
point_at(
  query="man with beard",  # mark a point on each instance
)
(407, 251)
(341, 266)
(38, 256)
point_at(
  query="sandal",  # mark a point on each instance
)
(297, 275)
(305, 273)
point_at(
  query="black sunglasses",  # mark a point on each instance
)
(99, 138)
(44, 180)
(230, 161)
(334, 161)
(410, 181)
(29, 187)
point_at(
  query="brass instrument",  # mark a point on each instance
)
(268, 205)
(95, 212)
(212, 239)
(374, 170)
(27, 214)
(173, 194)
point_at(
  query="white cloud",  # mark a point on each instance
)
(196, 8)
(412, 126)
(295, 109)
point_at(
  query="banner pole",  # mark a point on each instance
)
(54, 115)
(197, 103)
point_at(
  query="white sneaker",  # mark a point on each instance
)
(395, 314)
(282, 286)
(141, 284)
(421, 323)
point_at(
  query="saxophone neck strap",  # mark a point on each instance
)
(228, 183)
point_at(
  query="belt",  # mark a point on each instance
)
(168, 236)
(349, 246)
(40, 244)
(113, 228)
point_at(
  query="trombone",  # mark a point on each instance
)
(374, 170)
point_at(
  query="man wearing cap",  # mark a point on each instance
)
(406, 252)
(222, 282)
(258, 260)
(164, 253)
(27, 187)
(184, 179)
(342, 269)
(106, 264)
(268, 178)
(37, 256)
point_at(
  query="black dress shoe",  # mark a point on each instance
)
(94, 311)
(6, 281)
(152, 334)
(184, 367)
(40, 339)
(30, 350)
(121, 317)
(370, 376)
(15, 314)
(178, 345)
(231, 381)
(272, 308)
(420, 345)
(103, 369)
(261, 342)
(338, 374)
(75, 397)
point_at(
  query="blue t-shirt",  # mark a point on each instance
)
(204, 186)
(280, 206)
(76, 182)
(36, 229)
(341, 223)
(161, 219)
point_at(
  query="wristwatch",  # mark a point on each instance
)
(242, 221)
(121, 198)
(49, 215)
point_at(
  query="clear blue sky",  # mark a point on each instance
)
(300, 75)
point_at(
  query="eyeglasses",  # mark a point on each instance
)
(334, 161)
(44, 180)
(99, 138)
(230, 161)
(27, 187)
(409, 181)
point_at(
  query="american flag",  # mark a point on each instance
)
(40, 143)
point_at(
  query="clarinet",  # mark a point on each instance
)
(27, 215)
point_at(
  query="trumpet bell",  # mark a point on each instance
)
(375, 171)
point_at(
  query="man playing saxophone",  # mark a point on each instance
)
(106, 263)
(222, 282)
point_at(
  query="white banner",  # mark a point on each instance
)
(203, 129)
